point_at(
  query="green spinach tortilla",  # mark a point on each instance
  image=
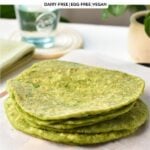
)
(55, 90)
(72, 123)
(76, 138)
(128, 121)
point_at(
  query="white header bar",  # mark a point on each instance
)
(70, 3)
(75, 4)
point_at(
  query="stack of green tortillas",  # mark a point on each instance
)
(76, 104)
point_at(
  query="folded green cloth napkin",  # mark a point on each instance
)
(13, 55)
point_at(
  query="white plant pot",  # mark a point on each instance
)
(139, 42)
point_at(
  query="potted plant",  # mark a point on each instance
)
(139, 30)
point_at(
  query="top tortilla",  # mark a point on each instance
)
(53, 90)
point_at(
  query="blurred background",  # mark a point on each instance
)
(78, 16)
(94, 17)
(114, 15)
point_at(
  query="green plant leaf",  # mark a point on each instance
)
(63, 19)
(117, 10)
(147, 24)
(135, 8)
(7, 11)
(105, 14)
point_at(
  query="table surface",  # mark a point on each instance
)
(109, 40)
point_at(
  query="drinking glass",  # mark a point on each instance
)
(38, 24)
